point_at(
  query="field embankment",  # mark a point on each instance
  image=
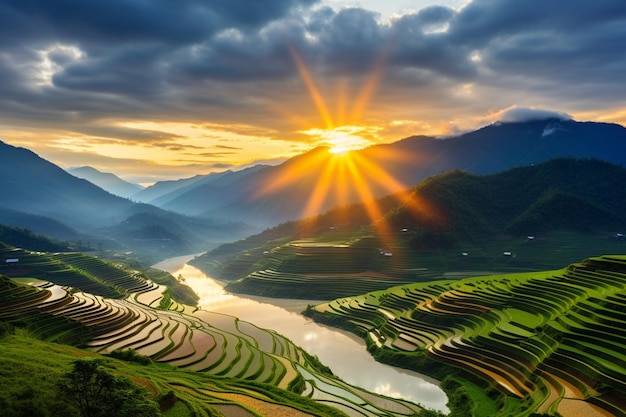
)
(531, 218)
(543, 342)
(250, 368)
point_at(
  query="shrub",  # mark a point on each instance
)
(95, 392)
(130, 355)
(6, 329)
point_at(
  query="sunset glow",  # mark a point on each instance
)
(342, 176)
(225, 86)
(341, 139)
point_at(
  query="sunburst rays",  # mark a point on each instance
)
(344, 176)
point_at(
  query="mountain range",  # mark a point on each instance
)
(528, 218)
(41, 196)
(267, 195)
(582, 195)
(193, 214)
(107, 181)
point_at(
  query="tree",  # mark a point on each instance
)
(95, 392)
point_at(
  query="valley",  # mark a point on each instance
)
(185, 337)
(479, 292)
(312, 208)
(344, 354)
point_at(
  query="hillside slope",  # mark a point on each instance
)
(107, 181)
(211, 361)
(33, 185)
(543, 342)
(285, 192)
(42, 196)
(32, 371)
(574, 194)
(541, 216)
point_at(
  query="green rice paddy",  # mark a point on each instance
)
(533, 336)
(250, 369)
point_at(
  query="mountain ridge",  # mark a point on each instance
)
(107, 181)
(282, 192)
(576, 204)
(58, 203)
(48, 190)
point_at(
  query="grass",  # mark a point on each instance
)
(511, 330)
(180, 409)
(339, 264)
(31, 370)
(216, 347)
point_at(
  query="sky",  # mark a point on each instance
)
(166, 89)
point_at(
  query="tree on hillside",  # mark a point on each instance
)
(95, 392)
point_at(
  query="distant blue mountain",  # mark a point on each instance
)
(492, 149)
(264, 196)
(107, 181)
(195, 195)
(161, 188)
(38, 195)
(30, 184)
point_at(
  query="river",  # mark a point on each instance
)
(343, 352)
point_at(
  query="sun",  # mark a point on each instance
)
(341, 139)
(343, 176)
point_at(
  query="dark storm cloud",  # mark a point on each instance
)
(105, 22)
(566, 43)
(422, 41)
(132, 47)
(235, 56)
(223, 61)
(170, 21)
(349, 40)
(482, 21)
(133, 70)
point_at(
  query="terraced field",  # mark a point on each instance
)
(85, 273)
(552, 342)
(321, 270)
(336, 264)
(184, 337)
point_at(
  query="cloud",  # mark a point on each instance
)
(524, 114)
(348, 40)
(212, 154)
(86, 68)
(134, 170)
(547, 49)
(115, 21)
(144, 136)
(227, 147)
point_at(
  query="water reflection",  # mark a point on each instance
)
(344, 354)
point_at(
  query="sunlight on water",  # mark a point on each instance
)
(344, 354)
(212, 295)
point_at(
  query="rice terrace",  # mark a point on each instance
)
(312, 208)
(551, 341)
(119, 314)
(507, 323)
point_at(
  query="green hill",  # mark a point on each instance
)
(563, 194)
(531, 218)
(16, 236)
(213, 363)
(514, 344)
(32, 371)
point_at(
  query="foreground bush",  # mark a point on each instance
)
(95, 392)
